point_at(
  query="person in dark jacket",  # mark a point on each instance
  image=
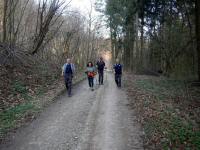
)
(118, 72)
(68, 70)
(100, 66)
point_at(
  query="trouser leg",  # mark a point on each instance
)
(119, 80)
(100, 77)
(70, 86)
(89, 82)
(68, 83)
(116, 79)
(92, 82)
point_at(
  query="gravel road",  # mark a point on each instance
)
(89, 120)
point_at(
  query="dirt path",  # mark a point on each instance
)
(98, 120)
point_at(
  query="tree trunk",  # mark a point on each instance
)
(142, 33)
(5, 20)
(197, 12)
(136, 42)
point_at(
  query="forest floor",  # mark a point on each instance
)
(168, 111)
(89, 120)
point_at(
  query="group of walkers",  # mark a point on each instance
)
(68, 71)
(92, 71)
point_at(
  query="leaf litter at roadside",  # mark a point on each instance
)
(23, 94)
(167, 109)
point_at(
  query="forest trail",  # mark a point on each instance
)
(98, 120)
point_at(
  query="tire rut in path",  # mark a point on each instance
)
(114, 126)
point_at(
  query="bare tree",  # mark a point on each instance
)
(44, 21)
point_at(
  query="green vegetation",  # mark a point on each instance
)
(26, 105)
(166, 123)
(23, 107)
(40, 91)
(20, 88)
(163, 88)
(10, 117)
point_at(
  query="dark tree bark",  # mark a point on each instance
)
(197, 12)
(45, 23)
(142, 32)
(5, 20)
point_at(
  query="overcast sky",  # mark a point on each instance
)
(83, 5)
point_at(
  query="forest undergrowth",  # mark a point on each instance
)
(168, 111)
(24, 91)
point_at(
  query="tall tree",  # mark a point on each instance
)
(44, 21)
(197, 15)
(5, 8)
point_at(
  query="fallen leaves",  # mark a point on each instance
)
(165, 112)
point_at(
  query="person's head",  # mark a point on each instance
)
(117, 61)
(90, 64)
(68, 60)
(101, 58)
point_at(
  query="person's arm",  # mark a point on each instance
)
(104, 65)
(114, 68)
(95, 70)
(97, 64)
(121, 69)
(86, 71)
(63, 68)
(73, 68)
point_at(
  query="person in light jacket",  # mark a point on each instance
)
(68, 71)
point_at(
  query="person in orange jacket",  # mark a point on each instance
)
(91, 72)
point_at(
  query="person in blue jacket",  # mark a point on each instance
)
(118, 72)
(68, 71)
